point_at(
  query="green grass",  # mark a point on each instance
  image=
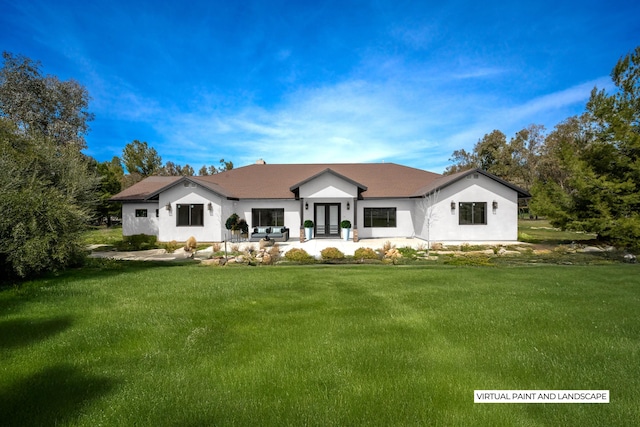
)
(541, 231)
(148, 344)
(103, 235)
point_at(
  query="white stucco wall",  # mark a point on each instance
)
(291, 212)
(328, 186)
(179, 194)
(404, 222)
(132, 225)
(502, 223)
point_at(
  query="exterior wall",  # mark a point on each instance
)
(291, 212)
(345, 214)
(404, 218)
(211, 231)
(502, 223)
(132, 225)
(328, 186)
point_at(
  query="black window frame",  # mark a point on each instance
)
(382, 218)
(190, 215)
(261, 216)
(141, 213)
(472, 213)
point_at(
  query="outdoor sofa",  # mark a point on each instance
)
(279, 234)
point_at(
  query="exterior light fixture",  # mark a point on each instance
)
(168, 207)
(210, 206)
(348, 205)
(306, 205)
(453, 206)
(495, 205)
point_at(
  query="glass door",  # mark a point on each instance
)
(327, 219)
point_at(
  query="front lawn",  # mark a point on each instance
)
(146, 344)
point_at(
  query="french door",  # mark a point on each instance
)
(327, 219)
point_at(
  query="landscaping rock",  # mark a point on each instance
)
(266, 243)
(591, 249)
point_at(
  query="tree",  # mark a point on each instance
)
(43, 104)
(46, 196)
(111, 174)
(140, 159)
(462, 160)
(427, 207)
(212, 170)
(47, 190)
(599, 190)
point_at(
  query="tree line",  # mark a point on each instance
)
(49, 190)
(584, 175)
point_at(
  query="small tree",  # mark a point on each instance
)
(427, 206)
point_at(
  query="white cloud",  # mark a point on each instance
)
(358, 121)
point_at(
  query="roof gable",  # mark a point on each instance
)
(324, 172)
(446, 180)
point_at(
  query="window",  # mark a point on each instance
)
(379, 217)
(267, 217)
(190, 215)
(141, 213)
(473, 213)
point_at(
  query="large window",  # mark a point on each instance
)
(190, 215)
(267, 217)
(141, 213)
(473, 213)
(379, 217)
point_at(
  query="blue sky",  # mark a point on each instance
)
(321, 81)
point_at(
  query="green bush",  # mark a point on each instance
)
(345, 224)
(298, 255)
(171, 246)
(365, 253)
(408, 252)
(308, 223)
(138, 242)
(331, 254)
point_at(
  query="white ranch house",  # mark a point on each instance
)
(383, 200)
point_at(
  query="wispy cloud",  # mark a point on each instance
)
(357, 121)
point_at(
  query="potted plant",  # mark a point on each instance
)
(346, 228)
(232, 223)
(308, 229)
(243, 227)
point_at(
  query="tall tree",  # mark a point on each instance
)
(140, 159)
(111, 175)
(601, 191)
(43, 104)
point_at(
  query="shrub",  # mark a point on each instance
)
(365, 253)
(331, 254)
(298, 255)
(274, 252)
(138, 242)
(308, 223)
(171, 246)
(408, 252)
(216, 247)
(345, 224)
